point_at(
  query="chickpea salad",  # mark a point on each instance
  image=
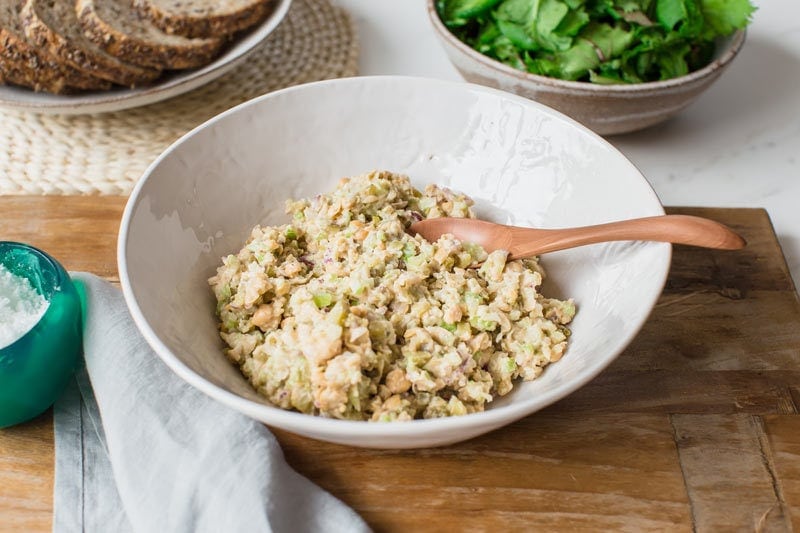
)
(343, 314)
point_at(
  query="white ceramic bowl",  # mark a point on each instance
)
(523, 162)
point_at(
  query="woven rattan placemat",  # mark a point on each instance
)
(106, 153)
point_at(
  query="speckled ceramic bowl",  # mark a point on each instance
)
(522, 162)
(606, 109)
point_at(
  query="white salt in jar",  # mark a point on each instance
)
(21, 307)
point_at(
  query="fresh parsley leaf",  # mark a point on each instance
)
(505, 51)
(670, 13)
(609, 41)
(458, 12)
(534, 24)
(683, 16)
(723, 17)
(572, 23)
(546, 27)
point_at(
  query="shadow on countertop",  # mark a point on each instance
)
(760, 85)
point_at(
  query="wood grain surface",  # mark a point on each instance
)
(693, 428)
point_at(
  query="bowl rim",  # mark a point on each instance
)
(737, 39)
(334, 428)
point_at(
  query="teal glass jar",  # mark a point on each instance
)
(35, 368)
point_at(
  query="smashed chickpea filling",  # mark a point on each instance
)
(341, 313)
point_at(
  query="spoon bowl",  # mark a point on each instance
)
(527, 242)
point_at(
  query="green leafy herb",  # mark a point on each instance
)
(600, 41)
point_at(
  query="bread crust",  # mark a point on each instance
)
(82, 58)
(17, 73)
(189, 54)
(24, 65)
(205, 25)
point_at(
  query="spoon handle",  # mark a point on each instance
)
(679, 229)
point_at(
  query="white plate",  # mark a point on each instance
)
(168, 86)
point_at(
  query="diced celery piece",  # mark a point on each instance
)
(416, 262)
(409, 251)
(472, 298)
(323, 299)
(482, 324)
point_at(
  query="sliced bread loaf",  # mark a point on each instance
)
(118, 28)
(30, 67)
(204, 18)
(53, 26)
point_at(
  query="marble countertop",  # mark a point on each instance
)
(738, 145)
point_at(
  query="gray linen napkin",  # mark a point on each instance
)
(138, 449)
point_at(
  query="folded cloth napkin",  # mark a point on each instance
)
(138, 449)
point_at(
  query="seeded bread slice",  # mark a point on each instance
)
(204, 18)
(118, 28)
(22, 64)
(53, 26)
(18, 74)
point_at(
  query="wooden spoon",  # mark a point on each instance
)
(527, 242)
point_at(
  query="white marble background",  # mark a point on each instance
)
(738, 145)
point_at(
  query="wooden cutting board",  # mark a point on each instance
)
(694, 427)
